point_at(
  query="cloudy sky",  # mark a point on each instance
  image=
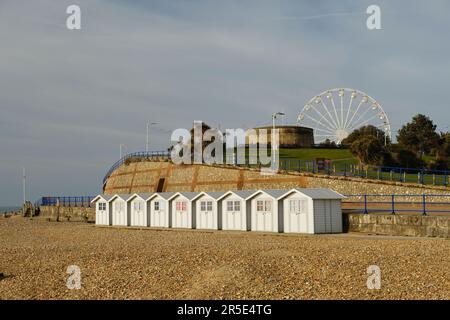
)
(68, 99)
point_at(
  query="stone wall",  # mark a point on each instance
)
(78, 214)
(145, 177)
(398, 225)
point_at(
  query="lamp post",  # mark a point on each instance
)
(274, 116)
(24, 184)
(148, 129)
(120, 148)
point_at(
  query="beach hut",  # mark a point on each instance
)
(119, 211)
(137, 206)
(158, 206)
(265, 211)
(235, 212)
(312, 211)
(182, 210)
(102, 210)
(207, 210)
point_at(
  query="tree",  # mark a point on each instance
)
(442, 151)
(368, 150)
(408, 159)
(328, 144)
(366, 131)
(419, 135)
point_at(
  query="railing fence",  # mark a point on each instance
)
(397, 203)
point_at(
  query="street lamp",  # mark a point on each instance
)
(274, 116)
(272, 139)
(120, 148)
(148, 128)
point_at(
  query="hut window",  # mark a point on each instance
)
(119, 206)
(206, 206)
(229, 205)
(259, 205)
(297, 206)
(181, 206)
(156, 205)
(102, 206)
(237, 206)
(138, 206)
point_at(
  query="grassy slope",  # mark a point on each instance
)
(312, 154)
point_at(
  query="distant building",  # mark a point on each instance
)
(289, 136)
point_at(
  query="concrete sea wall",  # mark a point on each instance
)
(148, 176)
(77, 214)
(399, 225)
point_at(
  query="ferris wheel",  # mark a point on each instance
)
(335, 113)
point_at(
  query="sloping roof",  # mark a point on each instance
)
(245, 193)
(216, 194)
(164, 195)
(320, 193)
(145, 195)
(105, 197)
(123, 196)
(213, 194)
(276, 193)
(187, 194)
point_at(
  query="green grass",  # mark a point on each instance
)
(343, 161)
(312, 154)
(343, 156)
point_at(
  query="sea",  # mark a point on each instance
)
(9, 209)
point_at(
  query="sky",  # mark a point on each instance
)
(69, 98)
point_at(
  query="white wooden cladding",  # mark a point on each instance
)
(289, 211)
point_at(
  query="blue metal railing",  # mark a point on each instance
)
(141, 154)
(341, 168)
(81, 201)
(398, 203)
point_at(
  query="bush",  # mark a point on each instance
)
(368, 150)
(408, 159)
(438, 165)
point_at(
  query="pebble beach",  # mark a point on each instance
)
(120, 263)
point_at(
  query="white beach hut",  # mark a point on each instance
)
(266, 211)
(235, 210)
(119, 211)
(182, 210)
(207, 210)
(312, 211)
(102, 209)
(139, 213)
(158, 206)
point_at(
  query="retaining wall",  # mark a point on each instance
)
(146, 176)
(399, 225)
(78, 214)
